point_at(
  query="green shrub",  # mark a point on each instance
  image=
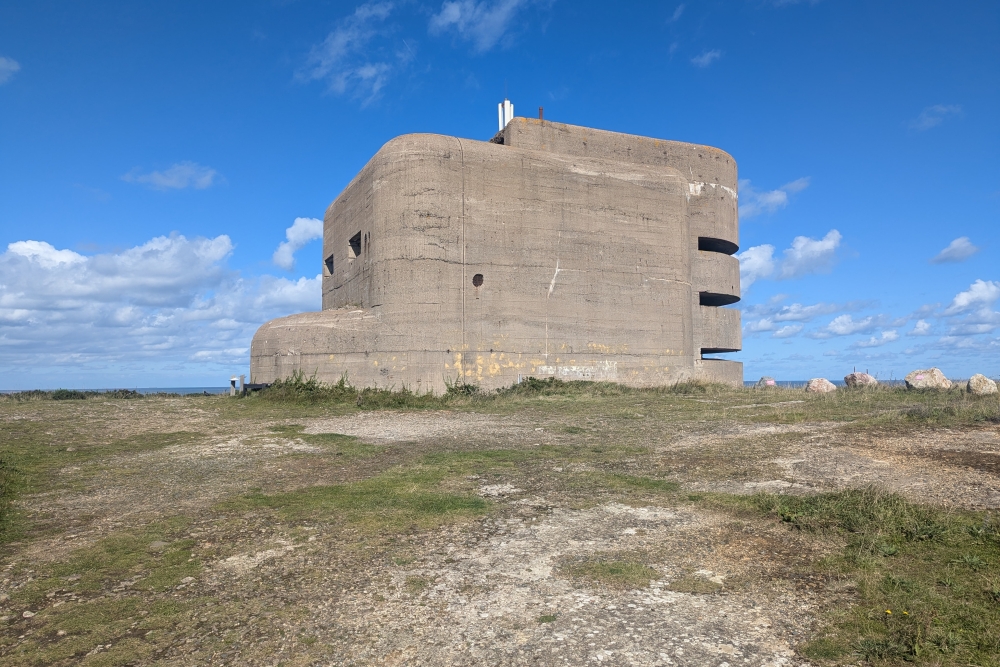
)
(68, 395)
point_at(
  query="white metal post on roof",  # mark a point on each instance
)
(505, 111)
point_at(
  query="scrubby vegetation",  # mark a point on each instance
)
(926, 578)
(299, 389)
(910, 579)
(69, 395)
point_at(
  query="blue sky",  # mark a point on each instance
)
(154, 157)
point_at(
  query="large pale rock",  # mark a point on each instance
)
(980, 385)
(766, 382)
(820, 386)
(931, 378)
(860, 380)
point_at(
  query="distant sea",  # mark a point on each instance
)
(798, 384)
(147, 390)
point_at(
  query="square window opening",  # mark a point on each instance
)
(354, 246)
(329, 265)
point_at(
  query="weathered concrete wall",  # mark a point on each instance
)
(564, 252)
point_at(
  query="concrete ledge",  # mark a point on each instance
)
(703, 164)
(718, 329)
(715, 272)
(721, 370)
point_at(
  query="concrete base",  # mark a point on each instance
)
(331, 344)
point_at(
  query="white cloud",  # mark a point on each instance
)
(972, 328)
(921, 328)
(8, 68)
(845, 325)
(796, 312)
(755, 263)
(755, 202)
(810, 255)
(302, 231)
(981, 294)
(886, 337)
(170, 302)
(971, 312)
(344, 59)
(958, 250)
(773, 311)
(787, 331)
(177, 177)
(806, 255)
(765, 324)
(44, 254)
(677, 14)
(706, 58)
(483, 23)
(934, 115)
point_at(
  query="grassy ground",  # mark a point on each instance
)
(922, 581)
(927, 580)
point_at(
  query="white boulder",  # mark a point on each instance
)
(931, 378)
(860, 380)
(980, 385)
(820, 386)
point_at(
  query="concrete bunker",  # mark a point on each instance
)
(550, 251)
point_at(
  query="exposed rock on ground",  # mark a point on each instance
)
(820, 386)
(766, 382)
(859, 380)
(931, 378)
(980, 385)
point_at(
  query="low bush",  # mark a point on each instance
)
(927, 589)
(69, 395)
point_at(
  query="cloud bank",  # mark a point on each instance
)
(302, 231)
(806, 255)
(170, 303)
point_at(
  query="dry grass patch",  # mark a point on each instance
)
(614, 570)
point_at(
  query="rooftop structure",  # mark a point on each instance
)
(550, 251)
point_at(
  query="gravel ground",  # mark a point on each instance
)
(489, 590)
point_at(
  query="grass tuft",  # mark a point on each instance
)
(11, 483)
(611, 572)
(392, 501)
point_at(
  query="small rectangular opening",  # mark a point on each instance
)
(715, 350)
(708, 244)
(354, 246)
(713, 299)
(329, 265)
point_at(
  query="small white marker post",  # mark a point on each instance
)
(505, 112)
